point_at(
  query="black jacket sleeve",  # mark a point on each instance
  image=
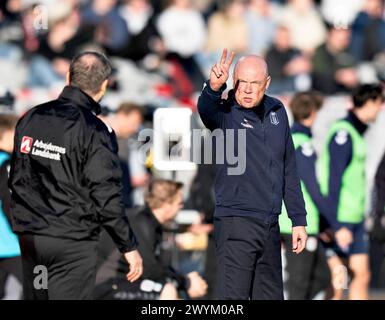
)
(293, 197)
(103, 174)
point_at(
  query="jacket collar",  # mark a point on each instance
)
(300, 128)
(147, 210)
(80, 98)
(357, 123)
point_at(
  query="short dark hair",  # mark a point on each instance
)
(365, 93)
(128, 107)
(7, 122)
(304, 103)
(88, 71)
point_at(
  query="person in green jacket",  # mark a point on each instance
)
(307, 275)
(343, 182)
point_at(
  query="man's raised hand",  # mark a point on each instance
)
(220, 71)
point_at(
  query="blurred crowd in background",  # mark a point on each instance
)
(170, 46)
(162, 53)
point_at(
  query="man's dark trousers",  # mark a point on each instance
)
(249, 259)
(70, 265)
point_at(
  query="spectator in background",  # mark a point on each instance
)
(368, 31)
(261, 26)
(11, 33)
(126, 123)
(183, 32)
(144, 37)
(334, 68)
(206, 7)
(163, 201)
(10, 261)
(307, 274)
(9, 11)
(50, 64)
(11, 45)
(158, 6)
(307, 30)
(342, 12)
(31, 35)
(227, 28)
(286, 63)
(182, 28)
(111, 29)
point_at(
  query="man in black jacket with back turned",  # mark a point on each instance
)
(66, 184)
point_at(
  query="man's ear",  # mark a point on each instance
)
(268, 82)
(104, 86)
(68, 79)
(236, 85)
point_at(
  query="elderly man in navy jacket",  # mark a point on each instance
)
(248, 204)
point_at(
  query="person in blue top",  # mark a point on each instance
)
(307, 276)
(343, 182)
(10, 262)
(248, 203)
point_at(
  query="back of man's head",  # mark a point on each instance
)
(366, 93)
(303, 104)
(161, 191)
(88, 71)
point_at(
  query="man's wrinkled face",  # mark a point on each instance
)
(250, 83)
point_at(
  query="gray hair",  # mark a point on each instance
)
(88, 71)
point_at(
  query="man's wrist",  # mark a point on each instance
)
(215, 91)
(298, 221)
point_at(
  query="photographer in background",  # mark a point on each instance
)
(159, 280)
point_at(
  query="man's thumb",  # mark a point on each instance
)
(295, 244)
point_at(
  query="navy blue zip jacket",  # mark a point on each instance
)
(271, 171)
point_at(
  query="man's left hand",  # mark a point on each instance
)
(299, 239)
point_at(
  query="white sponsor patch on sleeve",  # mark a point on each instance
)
(341, 137)
(307, 149)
